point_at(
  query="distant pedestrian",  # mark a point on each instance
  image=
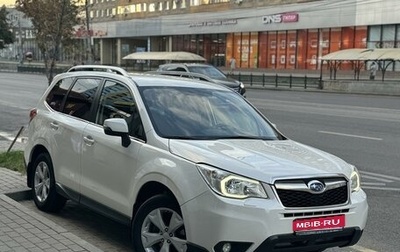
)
(232, 65)
(372, 70)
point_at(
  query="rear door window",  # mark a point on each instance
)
(56, 96)
(80, 99)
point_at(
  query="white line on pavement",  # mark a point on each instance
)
(372, 184)
(380, 175)
(382, 188)
(9, 137)
(374, 177)
(349, 135)
(362, 249)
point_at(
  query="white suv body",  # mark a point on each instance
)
(141, 153)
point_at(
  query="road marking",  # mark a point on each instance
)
(382, 188)
(372, 184)
(373, 177)
(380, 175)
(348, 135)
(10, 137)
(362, 249)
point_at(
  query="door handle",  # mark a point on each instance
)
(88, 140)
(54, 125)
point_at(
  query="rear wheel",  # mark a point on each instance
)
(158, 226)
(44, 186)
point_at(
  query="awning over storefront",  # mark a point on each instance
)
(347, 54)
(359, 57)
(385, 54)
(168, 56)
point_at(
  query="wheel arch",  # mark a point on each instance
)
(148, 190)
(36, 151)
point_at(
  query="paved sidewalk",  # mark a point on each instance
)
(23, 230)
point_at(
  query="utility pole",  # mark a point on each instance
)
(90, 51)
(21, 57)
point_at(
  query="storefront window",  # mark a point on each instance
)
(237, 48)
(229, 48)
(312, 51)
(347, 37)
(388, 36)
(263, 47)
(253, 50)
(361, 37)
(302, 37)
(374, 40)
(291, 50)
(272, 44)
(336, 39)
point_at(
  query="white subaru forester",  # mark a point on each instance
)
(190, 166)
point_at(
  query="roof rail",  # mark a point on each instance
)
(99, 68)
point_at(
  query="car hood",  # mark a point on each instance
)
(262, 160)
(232, 83)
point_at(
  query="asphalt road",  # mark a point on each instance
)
(362, 129)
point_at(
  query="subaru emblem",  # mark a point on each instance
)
(316, 186)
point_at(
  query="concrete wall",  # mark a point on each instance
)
(363, 87)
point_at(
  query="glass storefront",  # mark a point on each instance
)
(290, 49)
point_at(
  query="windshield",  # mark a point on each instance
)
(197, 113)
(207, 70)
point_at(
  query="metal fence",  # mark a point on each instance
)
(277, 81)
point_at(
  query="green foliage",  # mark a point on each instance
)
(54, 22)
(6, 36)
(13, 160)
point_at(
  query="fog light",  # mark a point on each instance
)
(227, 247)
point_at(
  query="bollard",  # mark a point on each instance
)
(290, 81)
(251, 79)
(263, 79)
(305, 81)
(276, 80)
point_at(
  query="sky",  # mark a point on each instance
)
(7, 2)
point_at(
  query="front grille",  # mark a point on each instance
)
(318, 213)
(296, 195)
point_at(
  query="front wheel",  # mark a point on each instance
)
(158, 226)
(44, 186)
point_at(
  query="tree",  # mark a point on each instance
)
(54, 22)
(6, 35)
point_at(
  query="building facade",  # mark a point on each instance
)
(257, 33)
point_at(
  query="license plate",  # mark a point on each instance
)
(320, 223)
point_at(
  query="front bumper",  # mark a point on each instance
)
(263, 224)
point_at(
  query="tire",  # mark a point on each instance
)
(44, 185)
(154, 221)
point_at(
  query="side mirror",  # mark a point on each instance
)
(117, 127)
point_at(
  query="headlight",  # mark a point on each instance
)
(231, 185)
(355, 180)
